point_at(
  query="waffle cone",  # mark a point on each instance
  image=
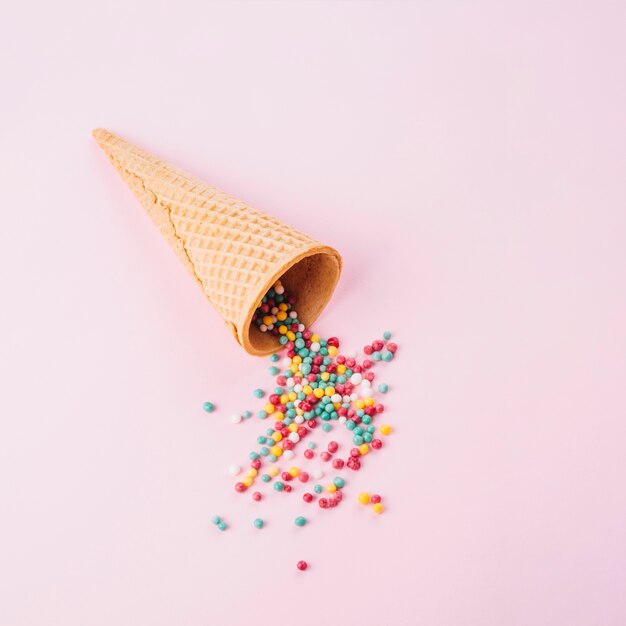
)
(234, 251)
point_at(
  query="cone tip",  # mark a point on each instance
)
(100, 134)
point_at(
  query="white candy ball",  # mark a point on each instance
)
(342, 419)
(354, 397)
(356, 379)
(317, 474)
(367, 392)
(293, 315)
(335, 398)
(347, 399)
(295, 437)
(233, 470)
(290, 382)
(297, 388)
(315, 347)
(366, 383)
(298, 419)
(288, 454)
(263, 328)
(235, 418)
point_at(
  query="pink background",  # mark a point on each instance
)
(468, 160)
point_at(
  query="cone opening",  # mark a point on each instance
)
(312, 281)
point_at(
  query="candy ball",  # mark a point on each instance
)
(258, 523)
(375, 498)
(233, 470)
(216, 519)
(300, 521)
(302, 565)
(235, 418)
(385, 429)
(378, 508)
(209, 407)
(364, 497)
(222, 526)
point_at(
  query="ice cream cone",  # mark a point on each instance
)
(234, 251)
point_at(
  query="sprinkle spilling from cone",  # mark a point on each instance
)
(317, 387)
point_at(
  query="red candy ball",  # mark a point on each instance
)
(338, 463)
(333, 446)
(302, 565)
(240, 487)
(323, 502)
(309, 454)
(392, 347)
(354, 452)
(256, 463)
(325, 456)
(308, 497)
(368, 349)
(377, 345)
(257, 496)
(303, 476)
(286, 476)
(311, 423)
(375, 499)
(287, 488)
(333, 341)
(377, 444)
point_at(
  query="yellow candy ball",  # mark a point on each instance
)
(294, 471)
(332, 351)
(269, 408)
(273, 470)
(297, 359)
(359, 404)
(306, 390)
(341, 369)
(276, 450)
(293, 396)
(247, 481)
(385, 429)
(292, 427)
(369, 402)
(281, 316)
(325, 376)
(318, 393)
(331, 488)
(268, 319)
(329, 391)
(252, 472)
(378, 508)
(282, 329)
(277, 436)
(364, 497)
(315, 338)
(291, 335)
(364, 448)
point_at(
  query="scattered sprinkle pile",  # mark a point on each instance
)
(316, 387)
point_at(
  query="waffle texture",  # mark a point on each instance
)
(234, 251)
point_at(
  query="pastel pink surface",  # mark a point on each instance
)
(468, 161)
